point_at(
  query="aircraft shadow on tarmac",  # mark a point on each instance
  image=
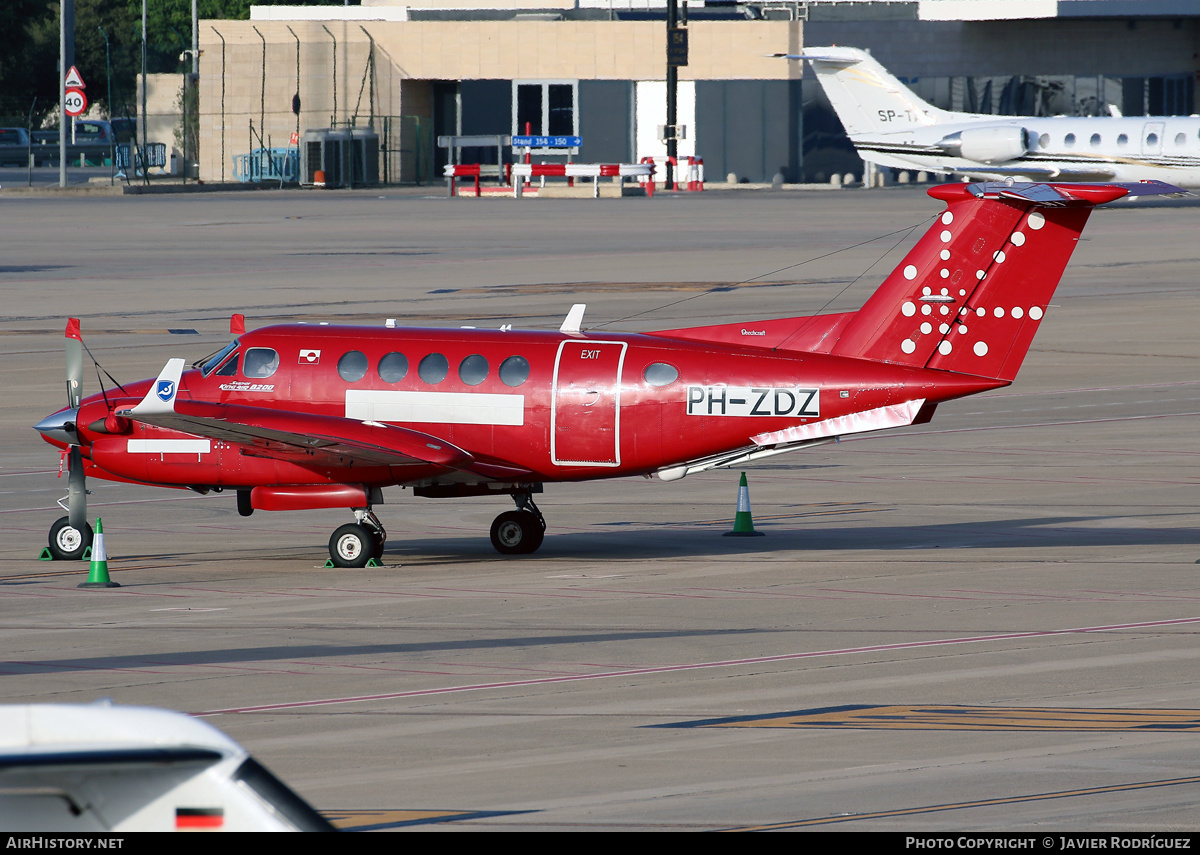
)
(32, 268)
(619, 541)
(294, 652)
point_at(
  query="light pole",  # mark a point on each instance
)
(112, 142)
(62, 95)
(145, 165)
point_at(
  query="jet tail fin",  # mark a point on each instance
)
(866, 97)
(971, 294)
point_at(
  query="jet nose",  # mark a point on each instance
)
(60, 427)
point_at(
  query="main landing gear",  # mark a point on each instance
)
(519, 532)
(356, 543)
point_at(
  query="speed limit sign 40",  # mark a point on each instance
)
(75, 102)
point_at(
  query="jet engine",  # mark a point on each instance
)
(989, 145)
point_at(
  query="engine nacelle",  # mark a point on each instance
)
(989, 145)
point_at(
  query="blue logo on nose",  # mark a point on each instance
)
(165, 390)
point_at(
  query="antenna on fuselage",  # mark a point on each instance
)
(574, 320)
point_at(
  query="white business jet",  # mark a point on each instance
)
(891, 126)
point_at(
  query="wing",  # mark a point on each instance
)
(286, 433)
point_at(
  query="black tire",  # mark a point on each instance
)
(517, 533)
(379, 542)
(68, 543)
(352, 545)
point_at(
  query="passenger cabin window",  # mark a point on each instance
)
(1123, 140)
(1044, 141)
(352, 367)
(1095, 140)
(473, 370)
(1180, 139)
(661, 374)
(393, 367)
(1151, 139)
(260, 362)
(1069, 140)
(514, 371)
(433, 368)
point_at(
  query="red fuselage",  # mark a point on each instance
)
(528, 406)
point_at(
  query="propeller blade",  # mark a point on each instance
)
(76, 490)
(74, 363)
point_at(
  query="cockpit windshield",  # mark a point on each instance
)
(217, 358)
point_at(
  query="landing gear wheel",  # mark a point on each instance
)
(517, 533)
(352, 545)
(378, 541)
(68, 543)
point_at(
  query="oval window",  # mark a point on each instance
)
(1152, 139)
(473, 370)
(1044, 141)
(393, 367)
(514, 371)
(1069, 140)
(1095, 140)
(1123, 140)
(432, 368)
(352, 367)
(661, 374)
(260, 362)
(1180, 138)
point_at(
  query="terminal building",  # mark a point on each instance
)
(398, 74)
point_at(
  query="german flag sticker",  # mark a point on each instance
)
(199, 819)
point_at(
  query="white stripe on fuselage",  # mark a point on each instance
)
(456, 408)
(168, 446)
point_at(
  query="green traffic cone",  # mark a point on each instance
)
(98, 577)
(743, 521)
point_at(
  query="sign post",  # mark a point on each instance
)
(677, 55)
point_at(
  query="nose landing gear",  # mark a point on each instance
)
(356, 543)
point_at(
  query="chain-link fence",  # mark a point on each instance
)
(264, 88)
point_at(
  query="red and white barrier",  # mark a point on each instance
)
(522, 172)
(462, 170)
(519, 174)
(695, 172)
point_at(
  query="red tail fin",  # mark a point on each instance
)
(970, 295)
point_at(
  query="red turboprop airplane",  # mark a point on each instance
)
(300, 416)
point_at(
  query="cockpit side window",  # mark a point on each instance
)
(217, 358)
(229, 369)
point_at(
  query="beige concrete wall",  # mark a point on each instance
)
(260, 91)
(163, 113)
